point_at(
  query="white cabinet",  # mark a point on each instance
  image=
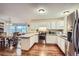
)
(44, 24)
(33, 39)
(61, 43)
(34, 26)
(26, 43)
(53, 25)
(49, 25)
(36, 38)
(41, 24)
(51, 39)
(60, 25)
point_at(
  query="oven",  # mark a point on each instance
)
(42, 37)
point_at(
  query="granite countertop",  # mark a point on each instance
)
(62, 36)
(26, 36)
(50, 34)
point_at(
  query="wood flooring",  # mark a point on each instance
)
(36, 50)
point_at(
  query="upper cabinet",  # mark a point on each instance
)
(60, 25)
(53, 25)
(56, 24)
(38, 25)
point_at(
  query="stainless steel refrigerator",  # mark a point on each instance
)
(75, 33)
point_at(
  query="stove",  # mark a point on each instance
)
(42, 37)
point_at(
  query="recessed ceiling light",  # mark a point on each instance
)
(41, 10)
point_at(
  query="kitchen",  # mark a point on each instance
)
(27, 26)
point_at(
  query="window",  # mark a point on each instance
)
(12, 29)
(21, 29)
(18, 28)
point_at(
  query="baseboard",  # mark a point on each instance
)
(29, 48)
(51, 44)
(47, 44)
(61, 50)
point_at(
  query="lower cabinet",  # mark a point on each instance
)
(26, 44)
(61, 43)
(36, 38)
(51, 39)
(33, 39)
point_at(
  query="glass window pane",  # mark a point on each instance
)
(21, 29)
(18, 28)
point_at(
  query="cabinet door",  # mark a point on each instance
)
(60, 25)
(51, 39)
(25, 43)
(48, 25)
(32, 41)
(61, 43)
(53, 25)
(34, 26)
(36, 38)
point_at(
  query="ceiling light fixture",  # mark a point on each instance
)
(41, 10)
(66, 12)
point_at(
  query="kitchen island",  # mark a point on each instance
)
(28, 40)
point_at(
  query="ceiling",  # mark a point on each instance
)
(27, 11)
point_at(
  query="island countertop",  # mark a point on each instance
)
(27, 35)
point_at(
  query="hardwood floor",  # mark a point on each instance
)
(44, 50)
(36, 50)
